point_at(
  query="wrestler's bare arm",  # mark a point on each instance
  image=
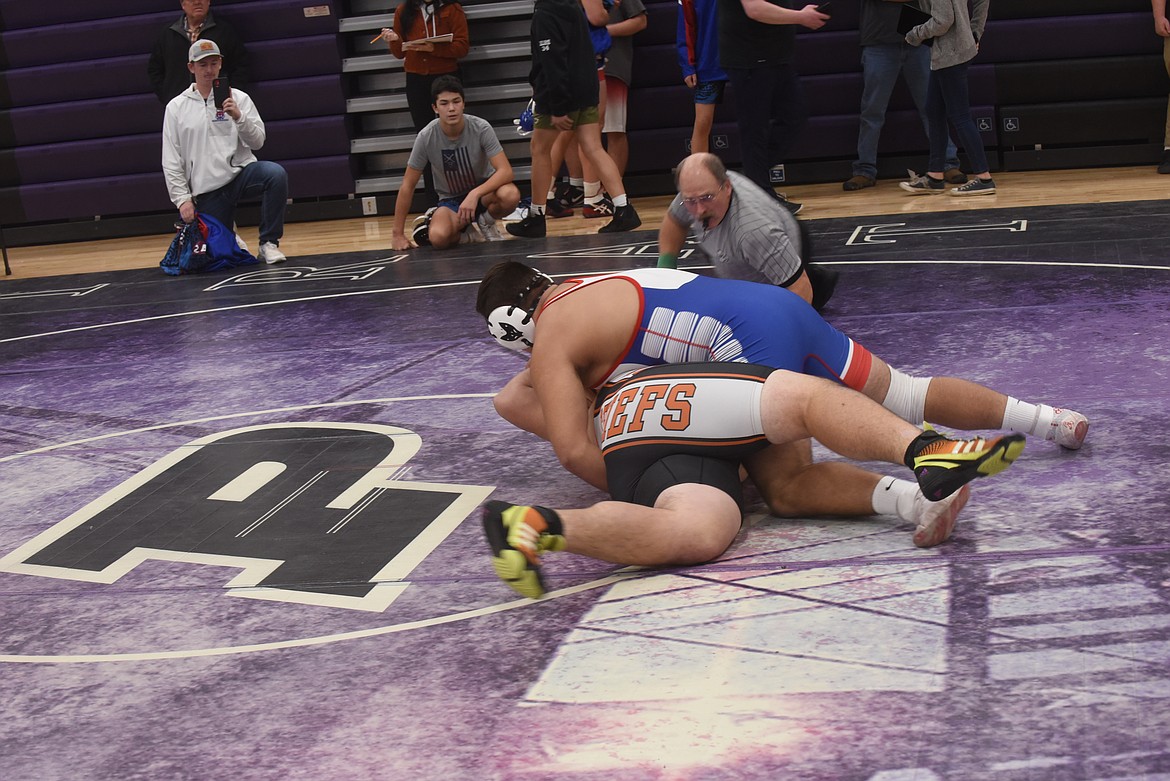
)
(518, 404)
(565, 405)
(578, 340)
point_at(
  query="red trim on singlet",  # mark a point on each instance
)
(689, 374)
(857, 369)
(860, 364)
(577, 283)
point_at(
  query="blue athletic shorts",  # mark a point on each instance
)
(709, 93)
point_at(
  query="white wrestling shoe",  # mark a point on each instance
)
(936, 520)
(1068, 429)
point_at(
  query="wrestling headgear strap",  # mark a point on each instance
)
(512, 325)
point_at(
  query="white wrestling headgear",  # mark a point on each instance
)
(511, 325)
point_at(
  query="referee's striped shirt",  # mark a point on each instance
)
(757, 240)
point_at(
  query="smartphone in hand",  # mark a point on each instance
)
(222, 90)
(826, 8)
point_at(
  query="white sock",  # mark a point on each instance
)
(592, 192)
(536, 208)
(620, 200)
(577, 181)
(1034, 419)
(552, 192)
(893, 496)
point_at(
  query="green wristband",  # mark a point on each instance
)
(668, 260)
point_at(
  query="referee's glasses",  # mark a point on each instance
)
(702, 200)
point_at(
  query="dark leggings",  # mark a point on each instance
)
(948, 98)
(770, 112)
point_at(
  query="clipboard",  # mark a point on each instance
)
(910, 17)
(444, 38)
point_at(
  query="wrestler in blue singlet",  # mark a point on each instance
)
(689, 318)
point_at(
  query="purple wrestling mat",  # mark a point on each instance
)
(240, 535)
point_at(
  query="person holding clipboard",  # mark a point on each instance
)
(430, 37)
(953, 36)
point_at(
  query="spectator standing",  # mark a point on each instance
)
(626, 19)
(1162, 28)
(757, 40)
(565, 91)
(955, 38)
(697, 39)
(208, 154)
(582, 174)
(167, 67)
(884, 55)
(424, 61)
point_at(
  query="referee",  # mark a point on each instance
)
(745, 232)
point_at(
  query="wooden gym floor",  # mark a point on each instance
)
(1030, 188)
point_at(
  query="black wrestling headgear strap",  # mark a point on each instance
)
(512, 325)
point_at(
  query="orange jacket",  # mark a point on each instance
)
(445, 58)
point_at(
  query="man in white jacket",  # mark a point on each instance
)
(208, 154)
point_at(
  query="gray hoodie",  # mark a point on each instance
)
(955, 34)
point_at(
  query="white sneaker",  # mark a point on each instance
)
(241, 243)
(488, 228)
(1068, 429)
(519, 213)
(936, 520)
(270, 253)
(471, 235)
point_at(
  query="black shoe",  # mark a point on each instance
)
(858, 182)
(571, 196)
(791, 206)
(531, 227)
(954, 176)
(944, 465)
(420, 231)
(624, 219)
(823, 281)
(557, 209)
(1164, 166)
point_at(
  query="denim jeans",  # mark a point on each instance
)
(948, 98)
(881, 65)
(262, 178)
(770, 113)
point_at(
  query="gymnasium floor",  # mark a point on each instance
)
(240, 535)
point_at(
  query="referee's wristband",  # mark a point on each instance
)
(668, 260)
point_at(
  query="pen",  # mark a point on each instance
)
(377, 39)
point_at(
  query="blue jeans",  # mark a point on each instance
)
(948, 98)
(770, 113)
(881, 65)
(262, 178)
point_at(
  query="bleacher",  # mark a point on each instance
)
(1056, 85)
(80, 137)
